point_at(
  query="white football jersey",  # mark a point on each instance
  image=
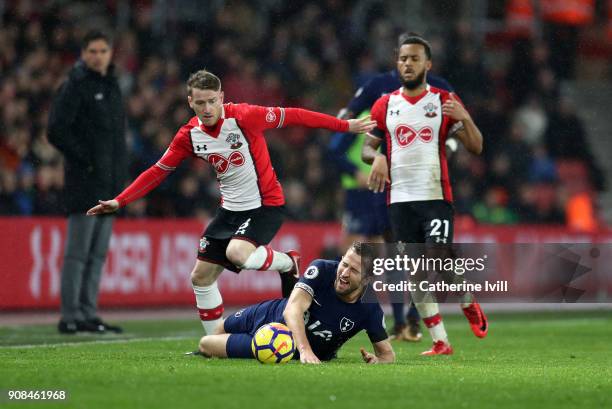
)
(416, 132)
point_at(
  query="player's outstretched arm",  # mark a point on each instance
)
(361, 125)
(383, 353)
(103, 207)
(469, 135)
(147, 181)
(312, 119)
(298, 303)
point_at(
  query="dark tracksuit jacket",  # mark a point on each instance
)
(87, 124)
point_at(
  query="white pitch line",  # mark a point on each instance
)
(98, 342)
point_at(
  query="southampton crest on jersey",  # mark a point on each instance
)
(270, 116)
(203, 244)
(430, 110)
(346, 325)
(234, 140)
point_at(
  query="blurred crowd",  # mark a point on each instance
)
(312, 54)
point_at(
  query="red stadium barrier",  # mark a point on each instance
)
(149, 261)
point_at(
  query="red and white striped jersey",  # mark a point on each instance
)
(416, 132)
(237, 150)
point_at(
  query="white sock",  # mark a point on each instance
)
(433, 321)
(438, 332)
(210, 306)
(264, 258)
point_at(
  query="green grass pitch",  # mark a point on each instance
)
(529, 360)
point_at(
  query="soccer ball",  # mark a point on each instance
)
(273, 344)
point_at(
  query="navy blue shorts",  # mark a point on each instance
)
(242, 326)
(365, 213)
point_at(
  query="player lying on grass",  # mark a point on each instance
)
(325, 309)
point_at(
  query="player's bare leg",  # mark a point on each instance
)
(245, 255)
(218, 331)
(238, 252)
(208, 298)
(214, 345)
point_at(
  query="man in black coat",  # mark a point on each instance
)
(87, 124)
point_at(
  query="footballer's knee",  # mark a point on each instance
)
(238, 252)
(205, 274)
(204, 346)
(214, 345)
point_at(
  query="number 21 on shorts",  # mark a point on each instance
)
(440, 229)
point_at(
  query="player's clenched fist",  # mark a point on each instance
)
(361, 125)
(104, 206)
